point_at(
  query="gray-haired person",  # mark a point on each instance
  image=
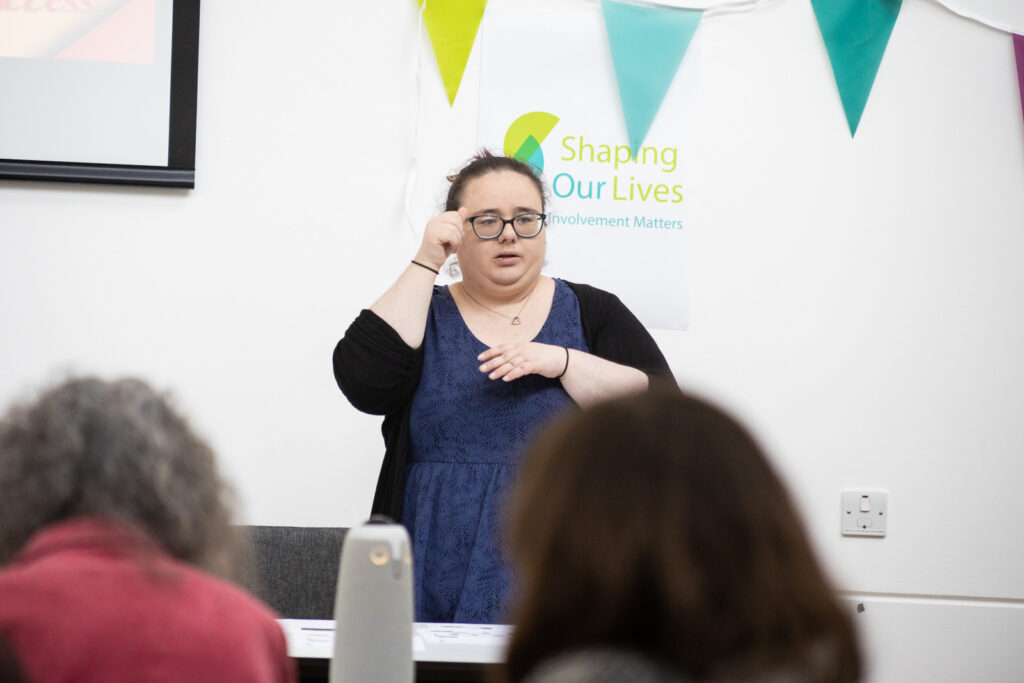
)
(114, 527)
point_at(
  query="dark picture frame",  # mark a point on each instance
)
(180, 170)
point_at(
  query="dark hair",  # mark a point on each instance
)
(654, 523)
(116, 450)
(482, 164)
(10, 668)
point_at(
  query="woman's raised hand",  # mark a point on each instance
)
(404, 306)
(442, 237)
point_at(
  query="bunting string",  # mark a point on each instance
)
(726, 9)
(998, 25)
(730, 7)
(410, 178)
(721, 9)
(1018, 53)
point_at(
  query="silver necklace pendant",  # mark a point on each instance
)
(515, 320)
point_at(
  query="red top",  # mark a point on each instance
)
(88, 600)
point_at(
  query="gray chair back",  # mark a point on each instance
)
(295, 569)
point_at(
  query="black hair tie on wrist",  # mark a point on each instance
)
(424, 265)
(566, 363)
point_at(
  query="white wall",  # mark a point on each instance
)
(857, 301)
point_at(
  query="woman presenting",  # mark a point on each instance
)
(465, 375)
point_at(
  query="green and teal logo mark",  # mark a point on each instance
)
(524, 136)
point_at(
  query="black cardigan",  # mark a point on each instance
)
(379, 373)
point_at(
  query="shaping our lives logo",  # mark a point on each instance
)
(602, 171)
(525, 135)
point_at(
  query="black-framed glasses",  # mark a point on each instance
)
(525, 225)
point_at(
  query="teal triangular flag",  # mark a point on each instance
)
(647, 45)
(856, 33)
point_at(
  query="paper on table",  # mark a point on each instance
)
(314, 638)
(465, 634)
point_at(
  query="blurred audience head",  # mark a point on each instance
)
(10, 667)
(117, 450)
(655, 524)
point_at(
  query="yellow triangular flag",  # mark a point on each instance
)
(452, 25)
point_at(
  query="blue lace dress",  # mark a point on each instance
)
(468, 434)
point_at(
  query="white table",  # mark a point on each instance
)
(435, 647)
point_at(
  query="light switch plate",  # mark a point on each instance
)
(864, 513)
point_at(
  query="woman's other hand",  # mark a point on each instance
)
(512, 361)
(441, 238)
(586, 377)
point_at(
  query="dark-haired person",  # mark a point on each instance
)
(654, 543)
(10, 668)
(465, 375)
(113, 524)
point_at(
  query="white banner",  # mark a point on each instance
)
(615, 222)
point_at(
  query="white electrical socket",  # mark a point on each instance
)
(864, 513)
